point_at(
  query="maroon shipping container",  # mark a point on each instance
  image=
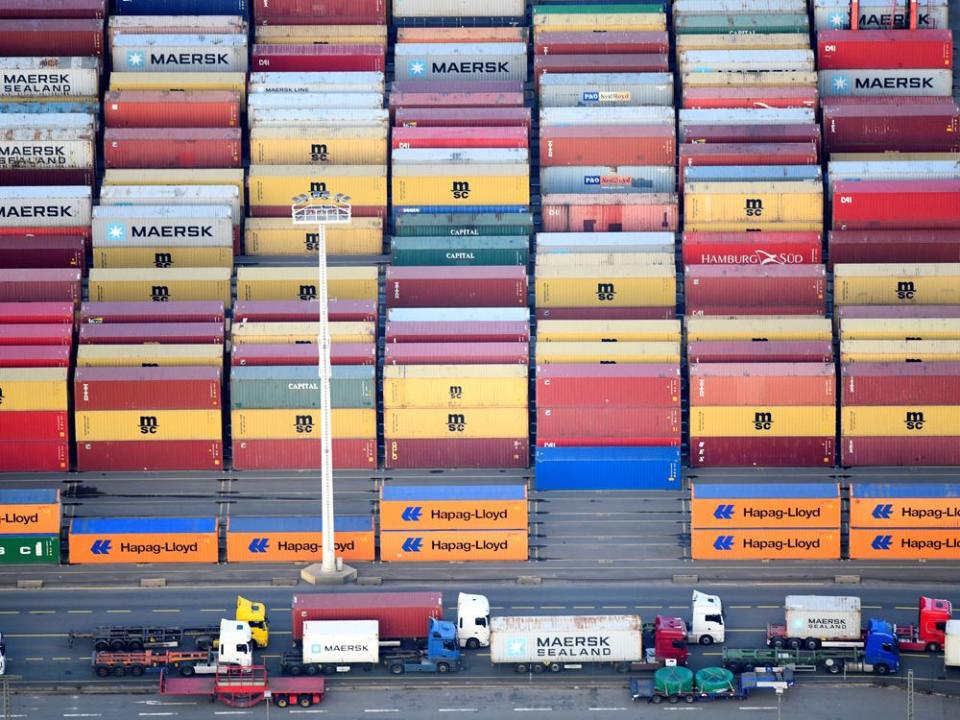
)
(878, 127)
(12, 313)
(587, 385)
(133, 148)
(894, 246)
(47, 177)
(617, 313)
(613, 63)
(401, 615)
(154, 388)
(43, 251)
(892, 204)
(763, 452)
(39, 285)
(708, 98)
(463, 117)
(774, 133)
(741, 351)
(320, 12)
(457, 453)
(752, 248)
(427, 99)
(899, 383)
(43, 334)
(348, 454)
(749, 154)
(646, 212)
(600, 42)
(443, 87)
(34, 356)
(51, 38)
(755, 289)
(640, 425)
(150, 455)
(34, 425)
(886, 49)
(317, 58)
(34, 456)
(73, 9)
(184, 333)
(899, 451)
(284, 211)
(299, 311)
(608, 145)
(458, 353)
(189, 311)
(293, 354)
(440, 332)
(83, 231)
(459, 137)
(171, 109)
(478, 286)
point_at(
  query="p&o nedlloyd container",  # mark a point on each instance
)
(606, 89)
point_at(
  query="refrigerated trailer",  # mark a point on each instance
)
(814, 621)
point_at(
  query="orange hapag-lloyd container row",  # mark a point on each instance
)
(29, 512)
(454, 508)
(449, 546)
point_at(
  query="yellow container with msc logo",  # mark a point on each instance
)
(295, 424)
(162, 257)
(301, 332)
(738, 207)
(608, 330)
(149, 355)
(318, 145)
(458, 423)
(899, 351)
(754, 422)
(636, 286)
(467, 188)
(455, 386)
(558, 353)
(274, 185)
(892, 421)
(897, 284)
(278, 236)
(160, 285)
(300, 283)
(118, 425)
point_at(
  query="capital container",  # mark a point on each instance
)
(37, 511)
(287, 354)
(583, 385)
(469, 250)
(454, 546)
(46, 334)
(42, 251)
(893, 204)
(143, 540)
(156, 388)
(462, 117)
(298, 387)
(34, 356)
(890, 284)
(766, 248)
(879, 14)
(172, 109)
(56, 37)
(457, 453)
(300, 423)
(738, 351)
(54, 9)
(763, 452)
(180, 53)
(743, 133)
(765, 505)
(30, 285)
(150, 455)
(891, 505)
(34, 456)
(905, 544)
(110, 285)
(317, 58)
(272, 454)
(906, 127)
(298, 539)
(320, 12)
(755, 290)
(299, 283)
(454, 386)
(49, 77)
(172, 147)
(765, 544)
(401, 615)
(899, 351)
(57, 207)
(897, 383)
(851, 50)
(755, 383)
(464, 507)
(607, 468)
(298, 311)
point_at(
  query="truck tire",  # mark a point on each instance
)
(521, 668)
(187, 670)
(706, 640)
(136, 670)
(537, 669)
(834, 667)
(101, 646)
(101, 670)
(314, 669)
(689, 699)
(882, 669)
(674, 699)
(794, 643)
(295, 669)
(811, 644)
(281, 701)
(396, 668)
(136, 645)
(304, 701)
(656, 699)
(778, 643)
(933, 647)
(555, 667)
(118, 646)
(443, 668)
(473, 644)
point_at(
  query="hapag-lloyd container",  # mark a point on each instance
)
(67, 206)
(298, 387)
(865, 49)
(465, 62)
(766, 248)
(457, 8)
(760, 384)
(765, 544)
(151, 312)
(38, 511)
(895, 383)
(171, 109)
(895, 505)
(607, 468)
(765, 505)
(755, 290)
(892, 284)
(907, 126)
(881, 83)
(454, 386)
(893, 204)
(272, 454)
(454, 546)
(154, 388)
(143, 540)
(909, 544)
(319, 12)
(763, 452)
(606, 89)
(298, 539)
(179, 53)
(582, 385)
(161, 225)
(49, 77)
(463, 507)
(608, 180)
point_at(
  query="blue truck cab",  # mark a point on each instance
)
(880, 647)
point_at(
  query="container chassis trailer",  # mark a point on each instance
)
(244, 687)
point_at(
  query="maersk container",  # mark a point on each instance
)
(696, 61)
(27, 148)
(880, 14)
(162, 225)
(650, 115)
(76, 121)
(525, 641)
(401, 615)
(884, 83)
(463, 250)
(456, 225)
(606, 89)
(458, 8)
(180, 53)
(298, 387)
(865, 49)
(179, 195)
(607, 468)
(608, 180)
(49, 77)
(180, 7)
(823, 618)
(65, 206)
(316, 82)
(469, 61)
(304, 101)
(341, 642)
(466, 157)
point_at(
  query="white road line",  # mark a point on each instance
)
(457, 710)
(79, 612)
(381, 710)
(161, 714)
(43, 612)
(522, 607)
(213, 610)
(533, 709)
(306, 712)
(758, 707)
(614, 607)
(231, 712)
(111, 612)
(607, 709)
(553, 607)
(584, 607)
(10, 612)
(682, 708)
(82, 715)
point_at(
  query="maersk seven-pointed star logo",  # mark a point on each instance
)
(837, 20)
(417, 67)
(135, 59)
(517, 647)
(116, 232)
(841, 84)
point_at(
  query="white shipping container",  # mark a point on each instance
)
(746, 60)
(880, 14)
(180, 53)
(458, 8)
(160, 24)
(313, 100)
(747, 116)
(139, 195)
(566, 639)
(951, 647)
(317, 82)
(458, 314)
(880, 83)
(49, 77)
(42, 122)
(54, 149)
(620, 242)
(822, 617)
(317, 117)
(892, 170)
(606, 89)
(753, 79)
(608, 180)
(727, 7)
(160, 225)
(461, 61)
(565, 117)
(341, 642)
(451, 156)
(57, 206)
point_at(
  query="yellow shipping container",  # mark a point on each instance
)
(634, 286)
(556, 353)
(318, 145)
(33, 389)
(455, 386)
(147, 424)
(736, 207)
(236, 81)
(163, 257)
(167, 285)
(462, 189)
(302, 424)
(193, 176)
(149, 355)
(900, 329)
(581, 22)
(758, 328)
(275, 185)
(278, 236)
(300, 283)
(607, 330)
(753, 79)
(756, 422)
(322, 34)
(909, 421)
(900, 351)
(574, 260)
(464, 423)
(764, 41)
(897, 284)
(302, 332)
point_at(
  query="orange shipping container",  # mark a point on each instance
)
(456, 507)
(765, 513)
(105, 541)
(433, 546)
(900, 544)
(916, 505)
(29, 512)
(298, 539)
(765, 544)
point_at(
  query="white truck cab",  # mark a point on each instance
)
(473, 621)
(3, 655)
(951, 645)
(235, 647)
(707, 624)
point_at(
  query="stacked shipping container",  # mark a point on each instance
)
(29, 527)
(298, 539)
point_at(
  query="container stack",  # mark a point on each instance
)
(299, 539)
(29, 527)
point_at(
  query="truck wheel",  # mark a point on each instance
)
(882, 669)
(101, 646)
(313, 669)
(473, 644)
(281, 701)
(778, 643)
(102, 670)
(396, 668)
(656, 699)
(706, 640)
(537, 669)
(521, 668)
(794, 643)
(136, 670)
(812, 644)
(304, 701)
(555, 667)
(136, 645)
(933, 647)
(118, 646)
(186, 670)
(834, 667)
(443, 668)
(296, 670)
(674, 699)
(689, 699)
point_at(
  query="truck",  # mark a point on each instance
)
(739, 687)
(951, 644)
(707, 625)
(928, 635)
(330, 646)
(569, 642)
(815, 621)
(245, 687)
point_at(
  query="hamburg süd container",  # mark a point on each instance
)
(143, 540)
(765, 248)
(298, 539)
(765, 505)
(463, 507)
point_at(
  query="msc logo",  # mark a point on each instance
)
(606, 292)
(307, 292)
(162, 259)
(160, 293)
(303, 423)
(456, 422)
(318, 187)
(311, 242)
(456, 392)
(149, 425)
(460, 189)
(906, 290)
(763, 421)
(753, 207)
(914, 421)
(318, 153)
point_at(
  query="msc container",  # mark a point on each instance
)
(156, 388)
(763, 451)
(271, 186)
(436, 386)
(298, 387)
(159, 425)
(761, 384)
(298, 539)
(49, 77)
(401, 615)
(892, 204)
(890, 284)
(172, 109)
(179, 53)
(33, 389)
(766, 248)
(762, 505)
(875, 83)
(110, 285)
(586, 385)
(57, 37)
(32, 285)
(32, 549)
(885, 505)
(131, 148)
(430, 423)
(605, 89)
(607, 468)
(300, 283)
(762, 421)
(456, 286)
(317, 58)
(457, 8)
(270, 454)
(465, 507)
(143, 540)
(477, 187)
(277, 236)
(755, 290)
(299, 423)
(845, 50)
(298, 311)
(150, 312)
(736, 207)
(913, 420)
(526, 641)
(38, 511)
(630, 286)
(764, 544)
(67, 206)
(320, 12)
(898, 383)
(312, 145)
(908, 126)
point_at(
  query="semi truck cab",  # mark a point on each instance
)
(881, 653)
(669, 640)
(473, 621)
(928, 635)
(707, 625)
(442, 642)
(235, 646)
(255, 615)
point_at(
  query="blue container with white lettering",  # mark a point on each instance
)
(607, 468)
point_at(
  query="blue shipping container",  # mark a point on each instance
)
(11, 496)
(141, 525)
(456, 492)
(341, 523)
(180, 7)
(773, 490)
(607, 468)
(905, 490)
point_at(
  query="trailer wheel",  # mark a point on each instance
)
(396, 668)
(101, 646)
(537, 669)
(136, 645)
(794, 643)
(313, 669)
(304, 701)
(778, 643)
(136, 670)
(102, 670)
(281, 701)
(933, 647)
(443, 668)
(119, 671)
(834, 667)
(555, 667)
(689, 699)
(656, 699)
(812, 644)
(706, 640)
(296, 669)
(187, 670)
(674, 699)
(473, 644)
(521, 668)
(118, 646)
(882, 669)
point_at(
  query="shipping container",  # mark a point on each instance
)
(42, 251)
(456, 286)
(883, 83)
(480, 186)
(166, 285)
(773, 132)
(879, 14)
(459, 137)
(463, 117)
(12, 313)
(603, 353)
(81, 37)
(172, 109)
(894, 246)
(345, 82)
(176, 81)
(464, 61)
(461, 507)
(606, 63)
(454, 546)
(131, 148)
(566, 117)
(746, 97)
(760, 384)
(311, 146)
(289, 354)
(748, 154)
(34, 456)
(736, 207)
(33, 388)
(33, 549)
(454, 386)
(293, 283)
(607, 468)
(317, 58)
(763, 421)
(461, 353)
(908, 126)
(272, 186)
(638, 425)
(457, 453)
(143, 540)
(298, 311)
(208, 52)
(599, 144)
(153, 388)
(298, 539)
(605, 89)
(900, 383)
(607, 331)
(891, 505)
(468, 250)
(763, 451)
(471, 423)
(913, 420)
(744, 79)
(582, 385)
(763, 505)
(301, 332)
(750, 173)
(401, 615)
(600, 43)
(278, 236)
(846, 50)
(888, 205)
(898, 544)
(765, 544)
(30, 285)
(911, 351)
(54, 9)
(53, 207)
(900, 451)
(298, 387)
(606, 287)
(150, 456)
(620, 242)
(594, 179)
(294, 423)
(887, 284)
(149, 355)
(33, 356)
(320, 12)
(38, 511)
(900, 329)
(758, 328)
(150, 312)
(350, 453)
(755, 289)
(147, 424)
(46, 334)
(433, 332)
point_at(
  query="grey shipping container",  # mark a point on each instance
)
(180, 53)
(621, 242)
(751, 173)
(284, 386)
(608, 180)
(606, 89)
(893, 170)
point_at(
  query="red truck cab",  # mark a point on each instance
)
(928, 634)
(670, 639)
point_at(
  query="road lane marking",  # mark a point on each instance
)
(82, 715)
(42, 612)
(9, 612)
(740, 607)
(33, 659)
(554, 607)
(584, 607)
(769, 607)
(63, 659)
(533, 709)
(712, 653)
(36, 635)
(118, 611)
(747, 630)
(648, 607)
(166, 610)
(760, 707)
(305, 712)
(871, 607)
(614, 607)
(381, 710)
(213, 610)
(682, 708)
(457, 710)
(231, 712)
(607, 709)
(905, 607)
(79, 612)
(678, 607)
(156, 714)
(522, 607)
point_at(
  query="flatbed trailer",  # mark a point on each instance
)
(187, 663)
(246, 687)
(777, 679)
(833, 660)
(133, 638)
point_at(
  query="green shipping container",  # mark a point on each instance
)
(747, 24)
(465, 250)
(463, 224)
(278, 387)
(29, 549)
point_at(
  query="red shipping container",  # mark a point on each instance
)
(12, 313)
(83, 231)
(320, 12)
(899, 451)
(894, 383)
(39, 285)
(463, 117)
(34, 425)
(400, 615)
(705, 98)
(43, 251)
(755, 289)
(427, 99)
(457, 453)
(612, 63)
(299, 311)
(885, 49)
(749, 154)
(742, 351)
(293, 354)
(752, 248)
(150, 455)
(639, 424)
(52, 38)
(184, 333)
(608, 145)
(154, 388)
(171, 109)
(459, 137)
(879, 126)
(440, 332)
(762, 384)
(647, 212)
(458, 353)
(187, 311)
(17, 177)
(583, 385)
(763, 452)
(600, 42)
(892, 204)
(54, 9)
(34, 356)
(348, 454)
(45, 334)
(894, 246)
(442, 87)
(618, 313)
(133, 148)
(34, 456)
(478, 286)
(284, 211)
(317, 58)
